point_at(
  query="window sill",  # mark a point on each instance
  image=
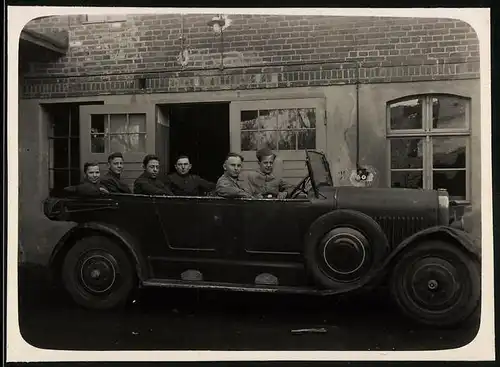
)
(104, 21)
(462, 202)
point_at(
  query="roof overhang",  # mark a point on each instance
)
(57, 42)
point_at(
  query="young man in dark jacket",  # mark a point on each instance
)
(148, 182)
(182, 183)
(91, 185)
(112, 179)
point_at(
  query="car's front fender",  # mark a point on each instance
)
(107, 229)
(455, 235)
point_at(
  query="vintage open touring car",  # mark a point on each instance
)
(322, 240)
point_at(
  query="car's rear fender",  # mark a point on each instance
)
(97, 228)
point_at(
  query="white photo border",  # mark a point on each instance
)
(481, 348)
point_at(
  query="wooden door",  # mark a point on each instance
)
(287, 126)
(129, 129)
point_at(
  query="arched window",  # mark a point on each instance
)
(429, 143)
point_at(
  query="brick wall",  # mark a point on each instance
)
(259, 52)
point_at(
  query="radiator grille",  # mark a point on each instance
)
(397, 228)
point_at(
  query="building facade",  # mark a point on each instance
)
(175, 84)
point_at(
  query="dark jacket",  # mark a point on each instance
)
(112, 183)
(86, 188)
(146, 185)
(189, 185)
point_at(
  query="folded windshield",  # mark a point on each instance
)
(319, 169)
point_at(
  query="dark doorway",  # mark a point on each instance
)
(200, 131)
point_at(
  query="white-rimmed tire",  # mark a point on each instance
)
(343, 249)
(436, 283)
(98, 273)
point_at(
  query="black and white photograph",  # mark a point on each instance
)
(312, 182)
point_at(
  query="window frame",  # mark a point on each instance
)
(277, 130)
(69, 138)
(107, 135)
(427, 133)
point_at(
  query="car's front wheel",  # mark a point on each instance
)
(436, 283)
(97, 273)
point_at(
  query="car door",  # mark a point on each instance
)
(201, 233)
(199, 225)
(275, 228)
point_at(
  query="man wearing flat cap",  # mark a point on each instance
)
(262, 182)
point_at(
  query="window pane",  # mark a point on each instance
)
(253, 140)
(98, 124)
(128, 143)
(406, 115)
(308, 116)
(59, 149)
(137, 123)
(61, 179)
(449, 112)
(306, 139)
(406, 153)
(117, 123)
(267, 139)
(75, 177)
(60, 126)
(268, 120)
(99, 143)
(453, 181)
(75, 121)
(75, 153)
(249, 120)
(410, 180)
(287, 140)
(449, 152)
(284, 120)
(248, 140)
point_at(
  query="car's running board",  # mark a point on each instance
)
(230, 287)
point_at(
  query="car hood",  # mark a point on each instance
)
(390, 201)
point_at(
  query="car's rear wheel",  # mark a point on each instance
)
(436, 283)
(98, 273)
(344, 248)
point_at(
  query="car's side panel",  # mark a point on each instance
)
(136, 215)
(235, 240)
(276, 228)
(129, 219)
(195, 226)
(202, 233)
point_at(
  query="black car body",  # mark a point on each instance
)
(323, 240)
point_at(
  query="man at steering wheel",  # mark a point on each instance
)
(263, 183)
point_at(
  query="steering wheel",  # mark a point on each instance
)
(300, 188)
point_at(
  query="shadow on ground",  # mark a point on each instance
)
(190, 319)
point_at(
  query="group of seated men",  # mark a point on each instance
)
(256, 184)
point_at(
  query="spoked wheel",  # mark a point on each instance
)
(97, 273)
(437, 283)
